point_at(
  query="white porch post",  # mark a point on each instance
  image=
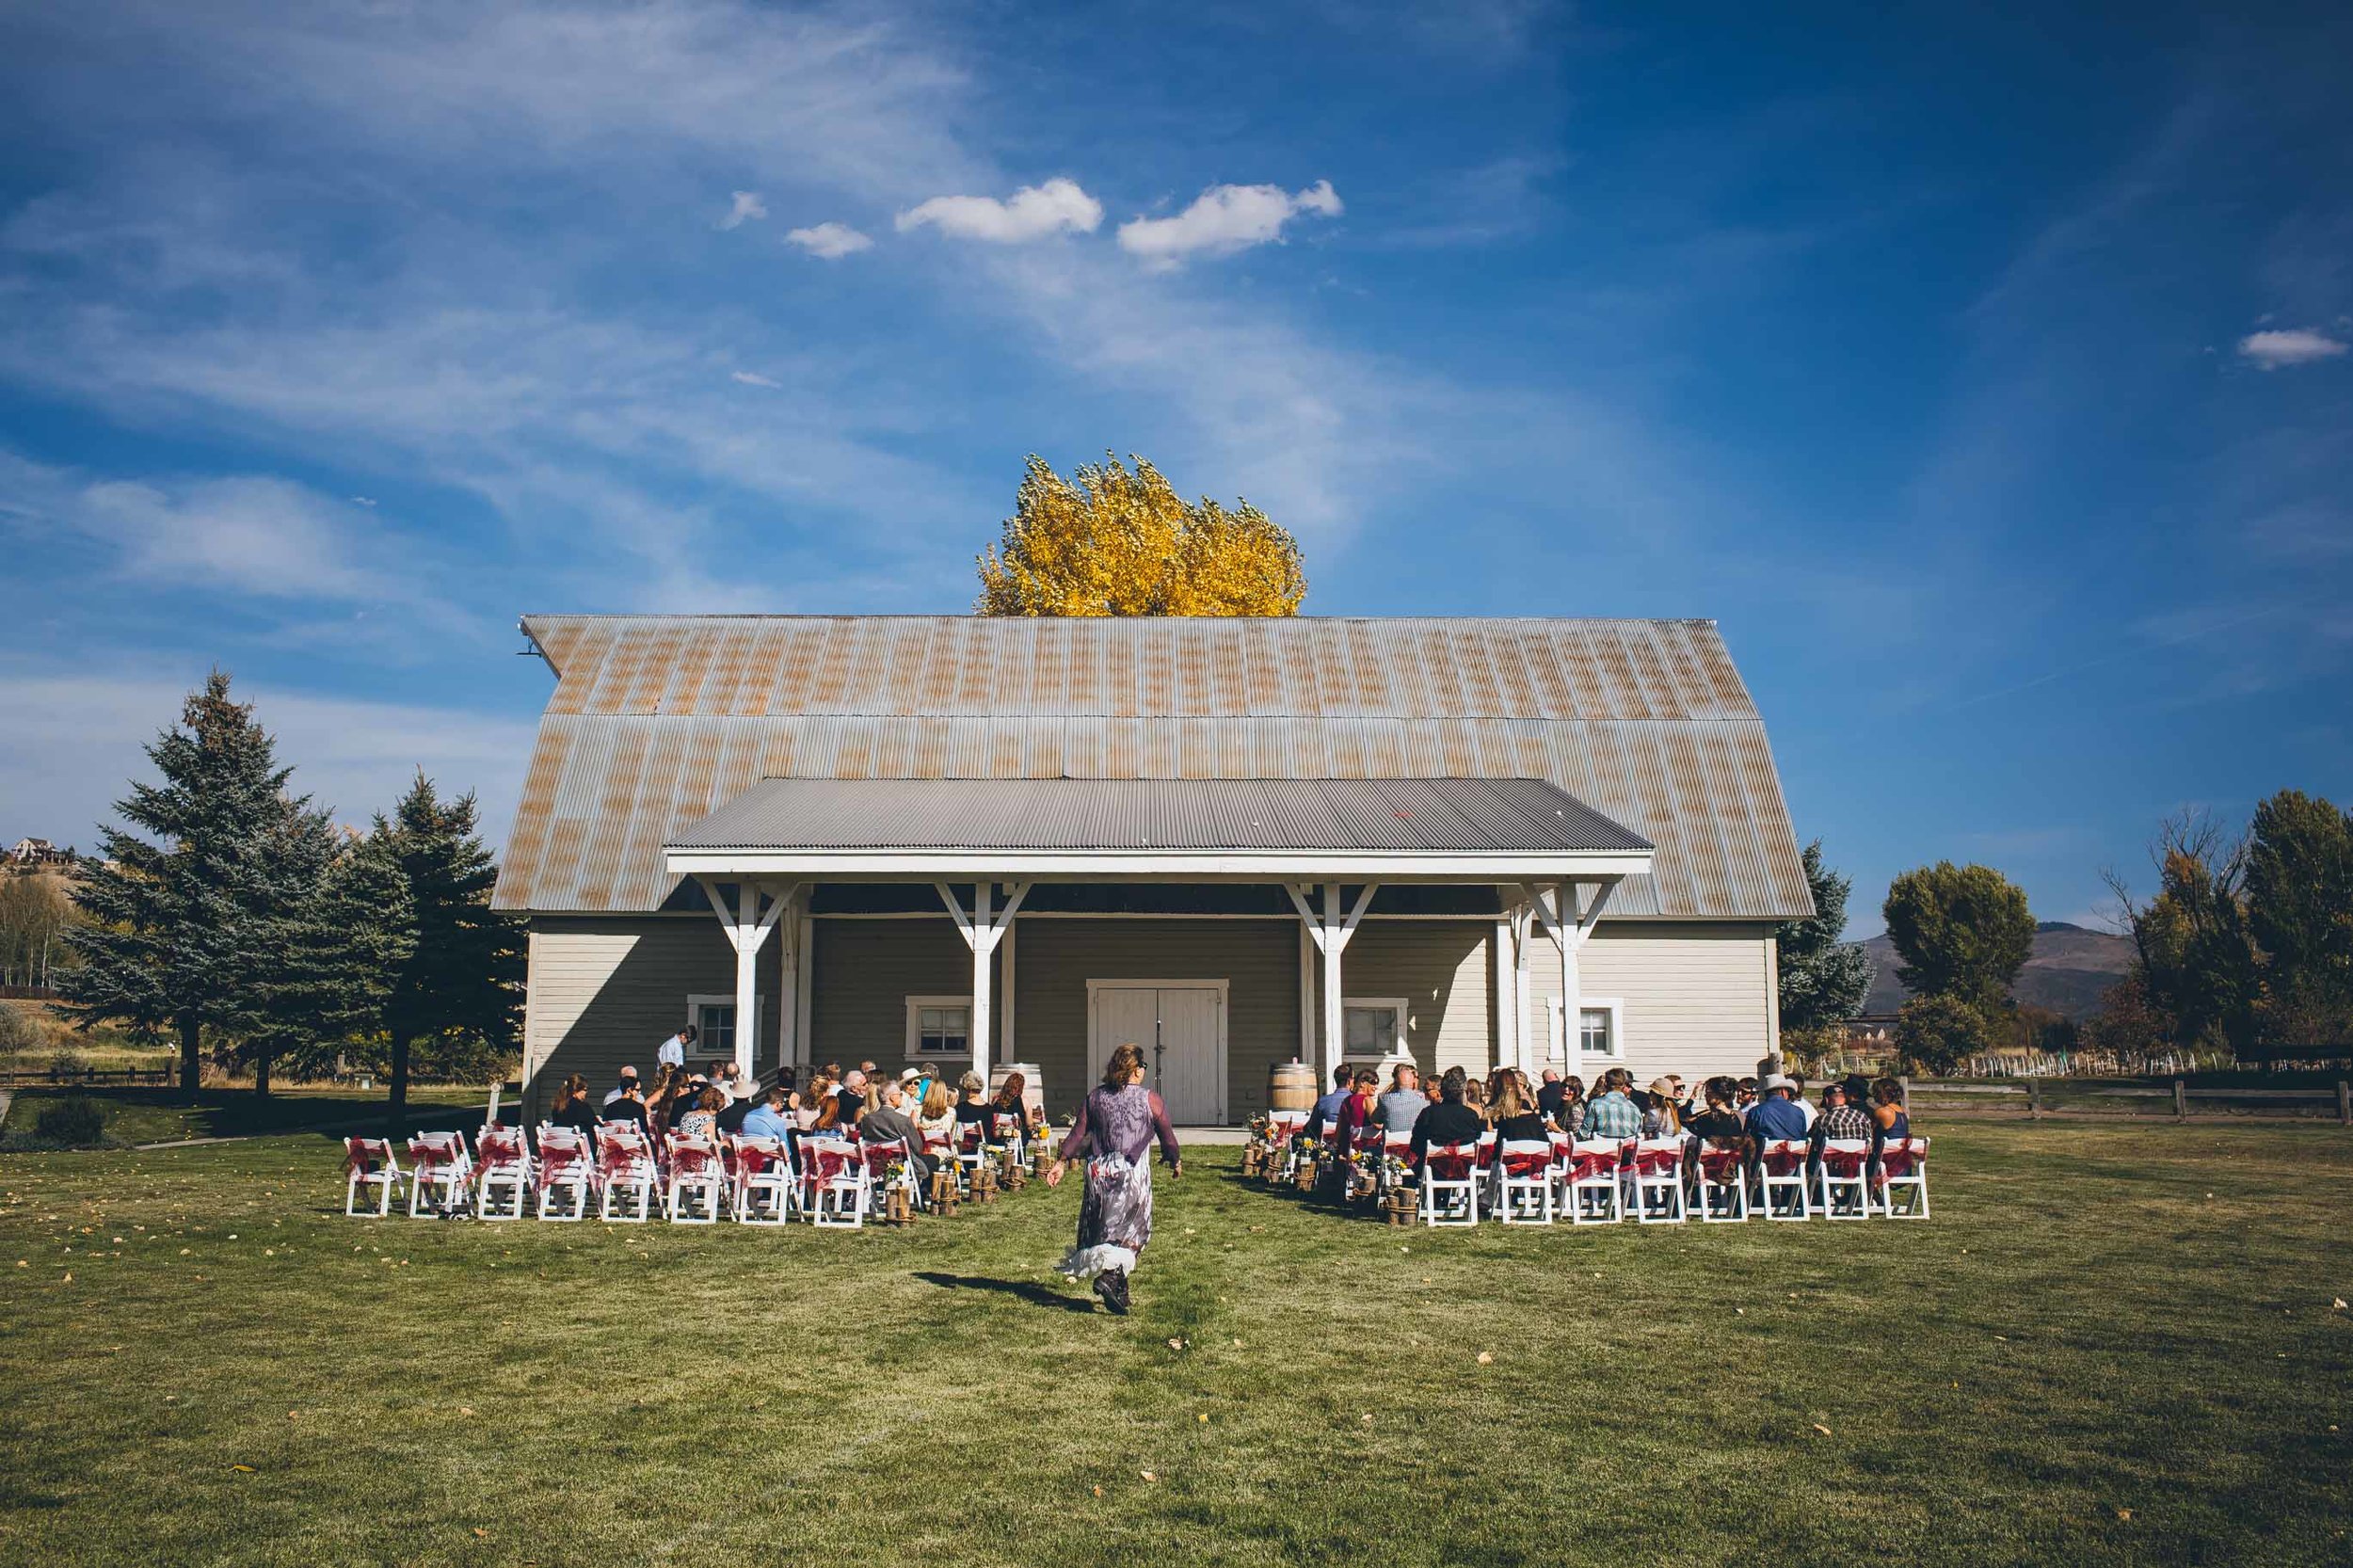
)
(747, 932)
(1506, 997)
(1523, 1001)
(1569, 919)
(982, 932)
(1004, 1022)
(1331, 933)
(788, 980)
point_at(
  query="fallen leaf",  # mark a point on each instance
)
(243, 1469)
(1147, 1475)
(1487, 1358)
(1176, 1344)
(1739, 1311)
(481, 1534)
(2339, 1303)
(2125, 1514)
(1238, 1344)
(1098, 1491)
(1367, 1418)
(465, 1409)
(1823, 1430)
(1205, 1418)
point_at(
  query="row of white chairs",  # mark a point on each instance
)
(838, 1183)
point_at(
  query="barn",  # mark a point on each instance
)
(1238, 843)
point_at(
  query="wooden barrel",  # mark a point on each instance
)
(1032, 1084)
(1291, 1086)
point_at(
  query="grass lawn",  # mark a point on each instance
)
(2113, 1345)
(159, 1116)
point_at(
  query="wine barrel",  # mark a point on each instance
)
(1032, 1084)
(1290, 1086)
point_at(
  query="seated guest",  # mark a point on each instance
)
(739, 1106)
(1475, 1095)
(1661, 1119)
(925, 1076)
(1797, 1097)
(1612, 1113)
(1012, 1099)
(1355, 1114)
(630, 1108)
(770, 1116)
(1839, 1120)
(628, 1081)
(1325, 1112)
(1403, 1104)
(888, 1122)
(571, 1108)
(818, 1101)
(972, 1108)
(1719, 1120)
(1775, 1115)
(1888, 1117)
(703, 1120)
(1745, 1101)
(1552, 1096)
(852, 1097)
(1515, 1118)
(1572, 1104)
(1450, 1121)
(936, 1115)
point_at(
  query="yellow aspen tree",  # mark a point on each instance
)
(1112, 540)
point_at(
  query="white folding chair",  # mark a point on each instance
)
(626, 1171)
(1722, 1184)
(1449, 1184)
(1785, 1188)
(972, 1153)
(1657, 1164)
(697, 1179)
(1596, 1193)
(566, 1170)
(1903, 1167)
(1844, 1185)
(369, 1162)
(501, 1165)
(1524, 1191)
(833, 1183)
(439, 1171)
(1282, 1129)
(1005, 1132)
(763, 1181)
(880, 1159)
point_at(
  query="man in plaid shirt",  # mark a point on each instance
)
(1838, 1119)
(1612, 1113)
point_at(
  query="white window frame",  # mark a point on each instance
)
(915, 1050)
(695, 1001)
(1556, 1042)
(1401, 1006)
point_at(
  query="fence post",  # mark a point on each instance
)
(2344, 1103)
(1903, 1093)
(2181, 1101)
(2033, 1099)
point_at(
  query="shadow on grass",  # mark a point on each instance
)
(1036, 1295)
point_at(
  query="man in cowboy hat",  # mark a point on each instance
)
(1775, 1115)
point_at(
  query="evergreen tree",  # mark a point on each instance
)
(460, 988)
(181, 921)
(343, 946)
(1823, 980)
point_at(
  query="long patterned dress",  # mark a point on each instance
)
(1114, 1134)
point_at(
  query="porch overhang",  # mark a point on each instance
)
(1279, 866)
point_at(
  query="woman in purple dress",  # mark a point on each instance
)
(1113, 1134)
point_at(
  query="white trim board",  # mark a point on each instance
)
(1284, 865)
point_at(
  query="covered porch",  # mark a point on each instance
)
(981, 851)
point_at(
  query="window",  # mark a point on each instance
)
(1373, 1028)
(1601, 1030)
(938, 1027)
(713, 1017)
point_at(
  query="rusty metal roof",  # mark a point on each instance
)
(658, 720)
(1454, 816)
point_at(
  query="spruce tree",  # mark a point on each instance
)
(181, 913)
(343, 949)
(1823, 980)
(461, 985)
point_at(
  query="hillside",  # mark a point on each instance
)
(2071, 969)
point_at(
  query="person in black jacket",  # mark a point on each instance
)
(1450, 1121)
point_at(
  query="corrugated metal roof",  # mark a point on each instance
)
(1463, 816)
(1647, 722)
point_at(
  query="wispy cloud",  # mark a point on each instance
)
(829, 241)
(1222, 220)
(753, 378)
(747, 207)
(2277, 349)
(1032, 212)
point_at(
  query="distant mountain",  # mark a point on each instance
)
(2071, 970)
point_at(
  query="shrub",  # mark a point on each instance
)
(1936, 1033)
(75, 1120)
(68, 1063)
(17, 1031)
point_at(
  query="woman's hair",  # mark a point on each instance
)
(1887, 1092)
(1719, 1090)
(1573, 1086)
(1617, 1079)
(1127, 1063)
(936, 1100)
(828, 1112)
(1474, 1092)
(1367, 1078)
(574, 1086)
(971, 1083)
(711, 1099)
(1015, 1085)
(1670, 1125)
(1507, 1100)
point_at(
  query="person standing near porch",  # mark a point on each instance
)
(672, 1052)
(1117, 1124)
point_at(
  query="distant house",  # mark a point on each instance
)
(29, 853)
(972, 841)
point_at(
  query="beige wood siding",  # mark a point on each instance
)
(605, 991)
(1259, 960)
(1698, 999)
(1440, 969)
(862, 973)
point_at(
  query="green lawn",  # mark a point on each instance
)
(2113, 1345)
(159, 1116)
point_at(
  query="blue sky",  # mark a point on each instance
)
(1981, 371)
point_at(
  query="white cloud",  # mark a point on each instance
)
(2277, 347)
(830, 241)
(1033, 213)
(746, 206)
(753, 378)
(1224, 218)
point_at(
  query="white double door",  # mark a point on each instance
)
(1180, 1027)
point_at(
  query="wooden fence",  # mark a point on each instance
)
(89, 1078)
(2034, 1097)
